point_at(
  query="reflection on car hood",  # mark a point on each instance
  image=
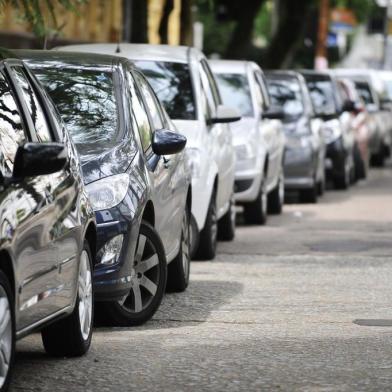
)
(106, 163)
(243, 131)
(191, 130)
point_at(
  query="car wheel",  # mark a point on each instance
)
(359, 165)
(321, 187)
(178, 270)
(7, 332)
(256, 213)
(71, 336)
(148, 282)
(226, 225)
(342, 181)
(378, 159)
(208, 236)
(276, 197)
(194, 236)
(309, 195)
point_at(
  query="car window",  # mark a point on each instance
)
(172, 84)
(235, 92)
(286, 93)
(322, 95)
(365, 92)
(140, 117)
(11, 130)
(151, 102)
(206, 87)
(34, 106)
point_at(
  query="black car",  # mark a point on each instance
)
(305, 148)
(336, 112)
(48, 235)
(136, 176)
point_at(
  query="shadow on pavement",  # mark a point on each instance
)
(373, 322)
(202, 298)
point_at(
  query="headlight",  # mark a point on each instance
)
(112, 250)
(331, 131)
(108, 192)
(244, 152)
(194, 159)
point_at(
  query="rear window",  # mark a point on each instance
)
(322, 94)
(173, 86)
(86, 101)
(235, 92)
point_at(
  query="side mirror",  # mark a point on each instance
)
(225, 115)
(38, 159)
(273, 114)
(167, 142)
(349, 106)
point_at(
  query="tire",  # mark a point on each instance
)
(148, 278)
(195, 236)
(7, 332)
(255, 213)
(359, 165)
(342, 181)
(178, 270)
(309, 195)
(378, 160)
(321, 187)
(208, 236)
(276, 197)
(226, 225)
(70, 336)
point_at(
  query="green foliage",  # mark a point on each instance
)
(31, 11)
(361, 8)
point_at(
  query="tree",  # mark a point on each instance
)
(33, 12)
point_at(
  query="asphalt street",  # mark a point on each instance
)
(304, 304)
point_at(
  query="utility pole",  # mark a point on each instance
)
(321, 60)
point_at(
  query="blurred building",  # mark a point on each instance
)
(95, 21)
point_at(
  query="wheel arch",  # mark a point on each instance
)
(149, 213)
(7, 268)
(91, 238)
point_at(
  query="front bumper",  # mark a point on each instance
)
(299, 169)
(247, 186)
(113, 281)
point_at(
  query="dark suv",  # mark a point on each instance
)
(136, 176)
(47, 238)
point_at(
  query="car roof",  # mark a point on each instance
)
(229, 66)
(168, 53)
(70, 58)
(283, 74)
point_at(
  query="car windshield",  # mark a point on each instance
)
(172, 84)
(286, 94)
(235, 92)
(86, 100)
(322, 94)
(365, 92)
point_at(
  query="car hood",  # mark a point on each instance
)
(244, 131)
(191, 129)
(97, 165)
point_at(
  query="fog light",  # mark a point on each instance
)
(112, 250)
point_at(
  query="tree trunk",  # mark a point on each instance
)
(241, 39)
(164, 23)
(186, 20)
(291, 27)
(138, 15)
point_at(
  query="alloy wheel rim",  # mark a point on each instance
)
(214, 223)
(85, 295)
(185, 246)
(281, 189)
(5, 335)
(145, 277)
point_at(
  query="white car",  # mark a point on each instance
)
(259, 141)
(183, 81)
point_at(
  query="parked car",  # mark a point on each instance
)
(136, 178)
(258, 139)
(182, 80)
(48, 230)
(334, 108)
(371, 88)
(362, 125)
(305, 148)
